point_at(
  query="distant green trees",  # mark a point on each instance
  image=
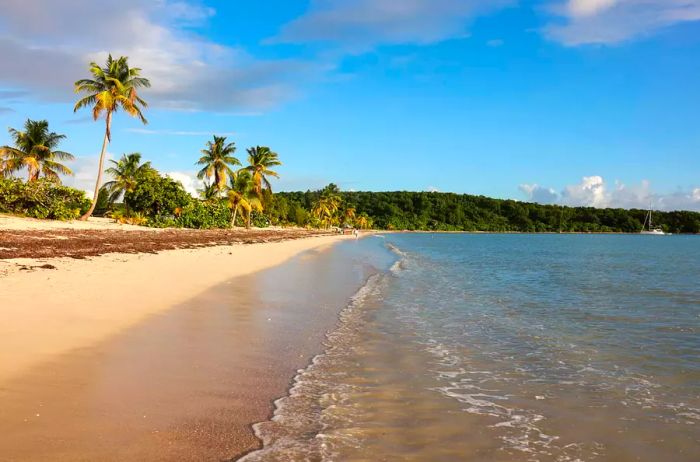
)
(433, 211)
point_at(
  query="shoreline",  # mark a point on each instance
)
(56, 304)
(189, 380)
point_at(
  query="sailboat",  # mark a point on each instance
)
(648, 228)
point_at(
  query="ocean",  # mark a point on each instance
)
(502, 347)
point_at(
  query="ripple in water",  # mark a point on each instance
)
(507, 348)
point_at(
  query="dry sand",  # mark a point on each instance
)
(46, 312)
(15, 222)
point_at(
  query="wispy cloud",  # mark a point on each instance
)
(45, 42)
(582, 22)
(79, 120)
(361, 25)
(6, 110)
(594, 191)
(147, 131)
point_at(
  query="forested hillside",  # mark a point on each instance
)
(402, 210)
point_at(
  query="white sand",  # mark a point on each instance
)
(15, 223)
(47, 312)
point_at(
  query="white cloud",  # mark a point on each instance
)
(361, 25)
(591, 191)
(50, 44)
(615, 21)
(537, 193)
(594, 191)
(589, 7)
(85, 173)
(188, 180)
(432, 189)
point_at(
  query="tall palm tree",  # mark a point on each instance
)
(34, 149)
(217, 161)
(260, 160)
(242, 196)
(126, 172)
(112, 87)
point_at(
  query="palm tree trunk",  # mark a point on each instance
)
(108, 127)
(247, 223)
(233, 221)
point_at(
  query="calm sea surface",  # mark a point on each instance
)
(506, 348)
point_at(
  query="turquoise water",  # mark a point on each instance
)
(507, 347)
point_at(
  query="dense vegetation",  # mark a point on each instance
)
(41, 198)
(404, 210)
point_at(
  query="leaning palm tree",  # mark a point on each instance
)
(34, 149)
(242, 196)
(217, 161)
(125, 173)
(112, 87)
(260, 160)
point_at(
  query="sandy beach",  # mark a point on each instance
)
(67, 323)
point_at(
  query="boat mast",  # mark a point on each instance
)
(647, 219)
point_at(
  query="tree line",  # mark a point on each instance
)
(435, 211)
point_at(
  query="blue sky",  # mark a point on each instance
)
(583, 102)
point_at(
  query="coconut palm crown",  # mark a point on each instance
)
(260, 161)
(34, 149)
(125, 173)
(217, 160)
(113, 87)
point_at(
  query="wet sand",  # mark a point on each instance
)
(185, 383)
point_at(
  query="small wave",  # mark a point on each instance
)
(297, 429)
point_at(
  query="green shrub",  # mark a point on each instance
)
(42, 198)
(259, 219)
(205, 215)
(157, 196)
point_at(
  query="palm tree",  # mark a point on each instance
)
(349, 215)
(209, 192)
(126, 172)
(241, 195)
(34, 149)
(326, 208)
(112, 87)
(363, 221)
(260, 159)
(217, 161)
